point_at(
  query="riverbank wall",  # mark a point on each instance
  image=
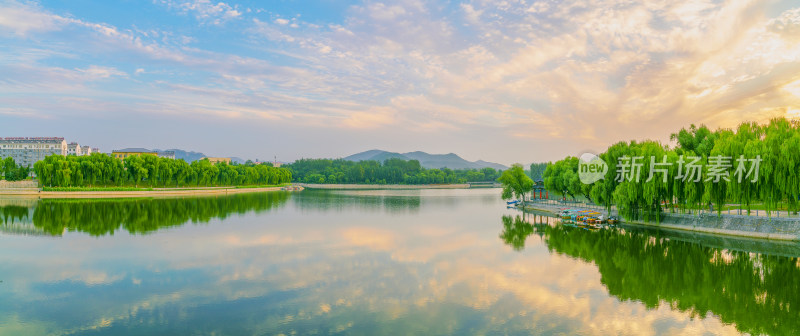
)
(382, 186)
(775, 228)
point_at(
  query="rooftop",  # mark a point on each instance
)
(33, 139)
(132, 150)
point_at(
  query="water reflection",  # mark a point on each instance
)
(758, 293)
(426, 262)
(99, 217)
(325, 200)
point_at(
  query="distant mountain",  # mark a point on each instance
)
(449, 160)
(186, 156)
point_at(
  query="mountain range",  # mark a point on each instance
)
(190, 156)
(429, 161)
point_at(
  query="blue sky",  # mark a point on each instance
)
(503, 81)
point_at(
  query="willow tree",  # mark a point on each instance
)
(772, 178)
(788, 175)
(603, 190)
(746, 145)
(716, 183)
(515, 183)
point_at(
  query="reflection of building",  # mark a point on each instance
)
(123, 153)
(16, 217)
(27, 151)
(214, 160)
(73, 148)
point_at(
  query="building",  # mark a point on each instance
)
(86, 150)
(27, 151)
(166, 154)
(123, 153)
(126, 152)
(214, 160)
(73, 148)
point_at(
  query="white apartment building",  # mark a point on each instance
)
(73, 148)
(27, 151)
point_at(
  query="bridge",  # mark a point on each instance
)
(484, 184)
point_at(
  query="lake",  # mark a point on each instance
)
(372, 262)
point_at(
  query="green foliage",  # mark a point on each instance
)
(515, 183)
(537, 170)
(13, 172)
(776, 144)
(515, 232)
(101, 170)
(391, 171)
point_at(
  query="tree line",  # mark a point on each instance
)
(390, 171)
(101, 169)
(13, 172)
(766, 155)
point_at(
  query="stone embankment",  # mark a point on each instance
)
(30, 189)
(778, 228)
(382, 186)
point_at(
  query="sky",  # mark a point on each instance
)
(503, 81)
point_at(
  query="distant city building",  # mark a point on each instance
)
(123, 153)
(95, 150)
(73, 148)
(166, 154)
(214, 160)
(86, 150)
(27, 151)
(126, 152)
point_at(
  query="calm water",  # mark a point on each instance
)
(373, 262)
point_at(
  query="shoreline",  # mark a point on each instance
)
(163, 192)
(382, 186)
(693, 224)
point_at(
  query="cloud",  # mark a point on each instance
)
(586, 73)
(205, 10)
(23, 19)
(98, 72)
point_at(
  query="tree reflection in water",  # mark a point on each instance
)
(99, 217)
(758, 293)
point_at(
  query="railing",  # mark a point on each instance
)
(18, 184)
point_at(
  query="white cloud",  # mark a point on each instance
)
(22, 19)
(205, 10)
(95, 72)
(585, 73)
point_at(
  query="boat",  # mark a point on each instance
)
(514, 202)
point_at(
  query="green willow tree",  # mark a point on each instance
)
(748, 165)
(390, 171)
(103, 170)
(515, 183)
(13, 172)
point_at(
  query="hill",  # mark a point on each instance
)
(427, 160)
(186, 156)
